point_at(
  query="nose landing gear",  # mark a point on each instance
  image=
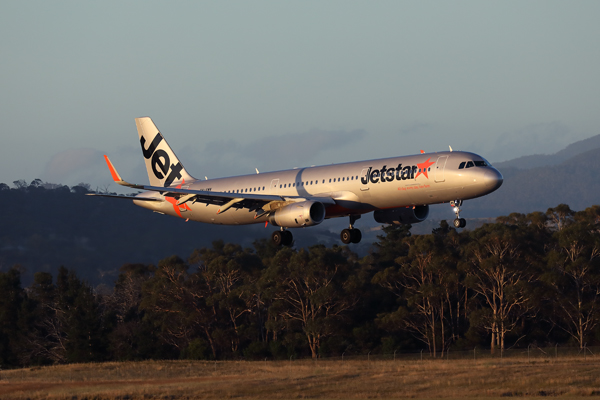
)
(351, 235)
(458, 221)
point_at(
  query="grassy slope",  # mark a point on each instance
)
(306, 379)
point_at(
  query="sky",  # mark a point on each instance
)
(239, 85)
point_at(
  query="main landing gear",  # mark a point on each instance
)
(458, 221)
(282, 238)
(351, 235)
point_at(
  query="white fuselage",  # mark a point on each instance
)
(357, 187)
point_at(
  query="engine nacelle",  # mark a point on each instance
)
(402, 216)
(295, 215)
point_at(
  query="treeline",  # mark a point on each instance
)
(525, 279)
(46, 225)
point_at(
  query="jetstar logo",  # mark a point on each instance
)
(161, 163)
(399, 173)
(178, 208)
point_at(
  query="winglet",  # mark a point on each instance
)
(116, 177)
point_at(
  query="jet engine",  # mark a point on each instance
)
(403, 215)
(305, 213)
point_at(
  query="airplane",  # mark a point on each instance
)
(398, 190)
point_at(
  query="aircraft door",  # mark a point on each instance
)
(274, 186)
(440, 166)
(364, 177)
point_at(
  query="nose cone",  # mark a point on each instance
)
(492, 179)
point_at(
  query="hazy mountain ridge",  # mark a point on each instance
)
(574, 182)
(541, 160)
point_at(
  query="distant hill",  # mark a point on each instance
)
(541, 160)
(43, 229)
(574, 181)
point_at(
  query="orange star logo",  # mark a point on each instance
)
(173, 200)
(423, 168)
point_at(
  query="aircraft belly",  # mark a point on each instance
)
(233, 216)
(448, 193)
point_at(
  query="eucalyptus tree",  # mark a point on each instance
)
(312, 288)
(11, 299)
(574, 275)
(178, 305)
(498, 272)
(427, 284)
(230, 274)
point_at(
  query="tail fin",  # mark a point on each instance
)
(164, 169)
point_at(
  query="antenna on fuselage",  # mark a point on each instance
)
(450, 148)
(256, 170)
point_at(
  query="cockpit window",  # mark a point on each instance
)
(469, 164)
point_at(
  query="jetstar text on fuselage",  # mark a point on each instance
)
(385, 174)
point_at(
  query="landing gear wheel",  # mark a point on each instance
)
(282, 238)
(288, 238)
(277, 238)
(460, 223)
(351, 236)
(346, 236)
(356, 235)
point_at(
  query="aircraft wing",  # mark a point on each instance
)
(262, 203)
(117, 196)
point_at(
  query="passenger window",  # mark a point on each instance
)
(343, 179)
(462, 165)
(470, 164)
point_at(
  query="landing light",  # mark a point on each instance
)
(456, 209)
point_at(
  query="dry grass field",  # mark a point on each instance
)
(323, 379)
